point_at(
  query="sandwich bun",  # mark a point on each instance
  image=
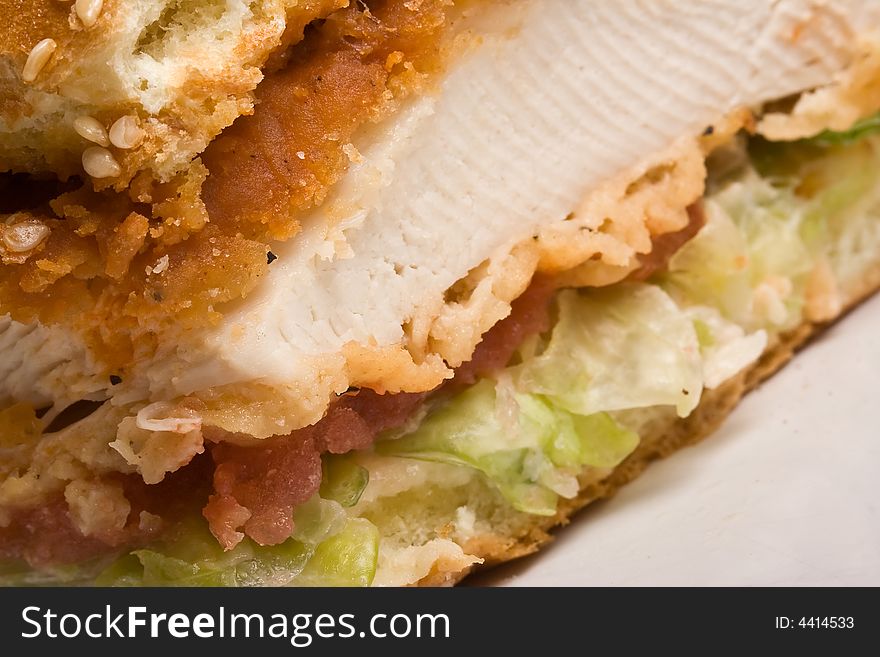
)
(109, 88)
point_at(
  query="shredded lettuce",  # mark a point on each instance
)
(625, 346)
(343, 480)
(539, 423)
(725, 347)
(750, 261)
(535, 427)
(529, 448)
(348, 558)
(326, 548)
(865, 127)
(192, 556)
(792, 208)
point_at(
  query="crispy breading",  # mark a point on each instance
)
(182, 70)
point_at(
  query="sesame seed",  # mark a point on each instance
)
(91, 129)
(301, 155)
(100, 163)
(25, 235)
(88, 11)
(126, 133)
(37, 59)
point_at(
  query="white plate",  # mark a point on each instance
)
(786, 492)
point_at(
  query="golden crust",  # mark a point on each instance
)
(855, 93)
(713, 409)
(96, 272)
(185, 70)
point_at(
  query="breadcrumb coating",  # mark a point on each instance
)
(175, 71)
(119, 266)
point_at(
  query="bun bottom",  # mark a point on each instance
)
(661, 441)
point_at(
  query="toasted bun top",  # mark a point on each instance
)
(181, 70)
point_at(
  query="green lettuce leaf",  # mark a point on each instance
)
(348, 558)
(861, 129)
(343, 480)
(725, 347)
(626, 346)
(795, 206)
(526, 446)
(192, 557)
(19, 573)
(535, 427)
(750, 261)
(788, 161)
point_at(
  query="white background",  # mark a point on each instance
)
(786, 492)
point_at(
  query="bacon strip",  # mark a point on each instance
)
(257, 487)
(665, 246)
(46, 535)
(529, 315)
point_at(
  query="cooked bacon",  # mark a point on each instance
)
(377, 412)
(47, 536)
(529, 315)
(225, 516)
(257, 487)
(268, 480)
(666, 245)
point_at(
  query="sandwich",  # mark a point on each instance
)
(319, 292)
